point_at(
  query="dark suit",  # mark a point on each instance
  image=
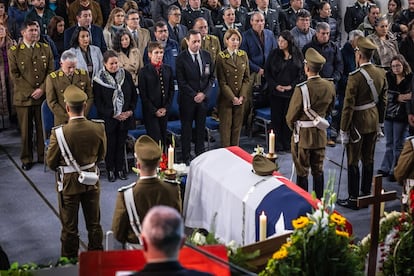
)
(190, 82)
(96, 36)
(172, 268)
(181, 32)
(116, 130)
(188, 16)
(156, 91)
(271, 21)
(287, 19)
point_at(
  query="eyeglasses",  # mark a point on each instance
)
(396, 66)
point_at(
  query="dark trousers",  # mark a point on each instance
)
(30, 118)
(116, 139)
(188, 113)
(156, 128)
(69, 210)
(278, 110)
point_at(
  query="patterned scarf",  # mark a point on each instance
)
(105, 79)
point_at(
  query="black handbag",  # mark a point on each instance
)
(393, 105)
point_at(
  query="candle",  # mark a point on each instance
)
(271, 142)
(382, 206)
(262, 226)
(170, 157)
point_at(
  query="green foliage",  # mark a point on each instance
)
(27, 269)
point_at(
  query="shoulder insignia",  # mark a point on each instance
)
(222, 54)
(241, 53)
(60, 74)
(37, 45)
(13, 48)
(76, 72)
(302, 83)
(355, 71)
(45, 45)
(53, 75)
(124, 188)
(98, 121)
(22, 46)
(82, 71)
(207, 37)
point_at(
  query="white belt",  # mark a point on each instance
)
(305, 124)
(71, 169)
(364, 106)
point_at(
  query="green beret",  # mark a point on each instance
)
(147, 150)
(73, 95)
(263, 166)
(365, 43)
(313, 58)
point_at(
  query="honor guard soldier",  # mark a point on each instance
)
(134, 201)
(404, 170)
(311, 101)
(58, 81)
(29, 64)
(362, 117)
(86, 143)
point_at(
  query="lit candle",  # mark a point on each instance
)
(262, 226)
(170, 157)
(382, 207)
(271, 142)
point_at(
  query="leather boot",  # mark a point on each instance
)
(122, 175)
(318, 185)
(353, 187)
(367, 174)
(302, 182)
(111, 176)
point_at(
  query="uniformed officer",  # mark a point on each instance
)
(355, 14)
(234, 80)
(271, 17)
(56, 83)
(145, 193)
(87, 143)
(194, 11)
(362, 114)
(404, 170)
(309, 139)
(29, 64)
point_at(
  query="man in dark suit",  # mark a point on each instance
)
(163, 236)
(176, 31)
(84, 18)
(194, 86)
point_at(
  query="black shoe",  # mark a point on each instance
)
(40, 161)
(122, 175)
(348, 203)
(383, 173)
(391, 178)
(27, 166)
(111, 176)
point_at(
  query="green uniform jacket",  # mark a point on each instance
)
(56, 83)
(87, 142)
(147, 193)
(210, 43)
(358, 93)
(28, 71)
(405, 166)
(233, 77)
(322, 99)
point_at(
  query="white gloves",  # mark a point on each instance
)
(344, 137)
(380, 130)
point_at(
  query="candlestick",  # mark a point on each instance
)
(262, 226)
(382, 206)
(170, 157)
(271, 142)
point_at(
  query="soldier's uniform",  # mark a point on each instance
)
(308, 142)
(147, 192)
(29, 67)
(233, 77)
(404, 169)
(361, 115)
(56, 83)
(188, 16)
(87, 142)
(271, 20)
(354, 16)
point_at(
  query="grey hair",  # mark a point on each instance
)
(68, 55)
(322, 26)
(354, 34)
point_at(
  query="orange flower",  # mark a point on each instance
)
(338, 219)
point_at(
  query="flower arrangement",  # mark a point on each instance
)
(319, 244)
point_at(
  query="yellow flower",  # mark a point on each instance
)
(281, 253)
(342, 233)
(338, 219)
(300, 222)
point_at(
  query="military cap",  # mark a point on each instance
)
(263, 166)
(313, 58)
(365, 43)
(147, 150)
(73, 95)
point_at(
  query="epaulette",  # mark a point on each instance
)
(45, 45)
(302, 83)
(98, 121)
(13, 48)
(240, 53)
(250, 13)
(124, 188)
(37, 45)
(355, 71)
(82, 71)
(61, 74)
(53, 75)
(329, 79)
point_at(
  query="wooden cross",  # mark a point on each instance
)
(375, 200)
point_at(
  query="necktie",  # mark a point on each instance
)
(135, 36)
(197, 63)
(234, 57)
(176, 33)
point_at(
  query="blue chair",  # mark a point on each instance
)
(212, 124)
(93, 113)
(48, 123)
(262, 118)
(174, 126)
(140, 128)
